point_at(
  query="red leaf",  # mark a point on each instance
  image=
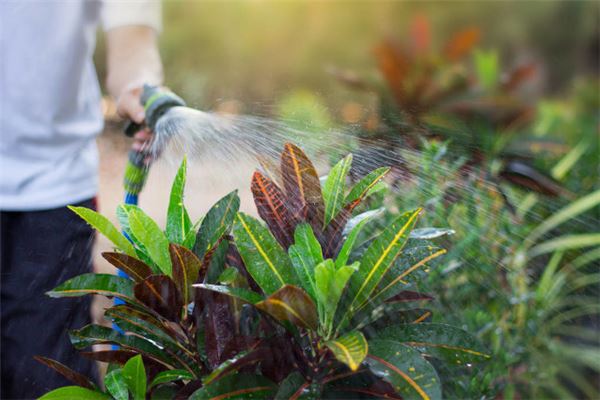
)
(461, 43)
(73, 376)
(270, 203)
(133, 267)
(160, 293)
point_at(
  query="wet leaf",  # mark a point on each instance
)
(73, 376)
(160, 293)
(134, 268)
(271, 205)
(245, 295)
(330, 283)
(105, 227)
(380, 256)
(306, 254)
(438, 340)
(216, 223)
(102, 284)
(527, 177)
(74, 392)
(178, 220)
(411, 376)
(170, 376)
(351, 349)
(334, 188)
(265, 259)
(121, 356)
(362, 187)
(355, 226)
(461, 43)
(134, 375)
(115, 384)
(96, 334)
(430, 233)
(239, 386)
(290, 303)
(407, 296)
(240, 360)
(290, 386)
(153, 238)
(301, 184)
(219, 328)
(186, 268)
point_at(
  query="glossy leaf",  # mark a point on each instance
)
(239, 386)
(105, 227)
(134, 375)
(102, 284)
(240, 360)
(216, 223)
(306, 254)
(153, 238)
(134, 268)
(219, 328)
(330, 283)
(245, 295)
(265, 259)
(115, 384)
(292, 304)
(75, 392)
(67, 372)
(334, 187)
(160, 293)
(271, 205)
(351, 349)
(290, 386)
(354, 227)
(170, 376)
(186, 268)
(430, 233)
(380, 256)
(409, 373)
(178, 220)
(301, 184)
(95, 334)
(362, 187)
(442, 341)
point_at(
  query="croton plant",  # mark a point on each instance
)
(299, 305)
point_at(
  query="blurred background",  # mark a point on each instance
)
(507, 91)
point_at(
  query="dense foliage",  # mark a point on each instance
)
(231, 308)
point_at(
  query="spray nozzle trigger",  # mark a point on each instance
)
(156, 101)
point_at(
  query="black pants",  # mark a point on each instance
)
(40, 250)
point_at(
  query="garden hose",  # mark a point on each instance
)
(156, 101)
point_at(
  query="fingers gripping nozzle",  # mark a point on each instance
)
(156, 101)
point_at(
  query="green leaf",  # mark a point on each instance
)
(265, 259)
(380, 256)
(186, 268)
(134, 375)
(566, 242)
(351, 349)
(360, 190)
(103, 284)
(306, 254)
(245, 295)
(74, 392)
(405, 369)
(216, 223)
(292, 304)
(289, 386)
(170, 376)
(178, 220)
(438, 340)
(330, 283)
(486, 67)
(354, 226)
(333, 189)
(115, 384)
(105, 227)
(238, 386)
(153, 238)
(430, 233)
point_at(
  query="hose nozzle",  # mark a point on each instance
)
(156, 101)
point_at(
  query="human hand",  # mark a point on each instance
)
(129, 107)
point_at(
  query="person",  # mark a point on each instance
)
(50, 114)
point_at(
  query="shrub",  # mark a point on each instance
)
(230, 307)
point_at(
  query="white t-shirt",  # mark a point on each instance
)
(50, 99)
